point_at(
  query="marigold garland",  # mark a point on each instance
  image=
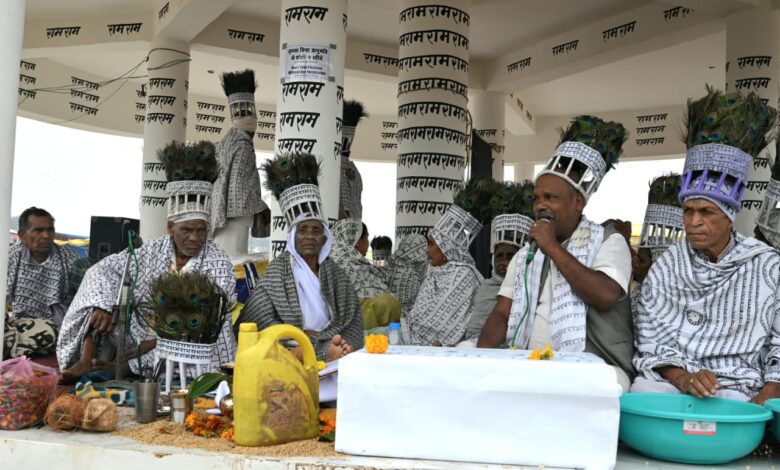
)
(328, 425)
(209, 426)
(545, 354)
(376, 344)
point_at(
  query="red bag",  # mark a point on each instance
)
(25, 391)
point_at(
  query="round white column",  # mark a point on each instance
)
(432, 110)
(166, 120)
(312, 40)
(11, 34)
(487, 114)
(753, 64)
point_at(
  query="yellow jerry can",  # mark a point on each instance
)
(275, 397)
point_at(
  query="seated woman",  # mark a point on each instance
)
(378, 305)
(303, 287)
(444, 304)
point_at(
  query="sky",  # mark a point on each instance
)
(76, 174)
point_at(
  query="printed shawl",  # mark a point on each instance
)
(441, 311)
(236, 191)
(275, 301)
(568, 312)
(722, 316)
(367, 279)
(101, 284)
(35, 288)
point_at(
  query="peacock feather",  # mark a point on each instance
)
(195, 161)
(478, 198)
(734, 119)
(187, 307)
(286, 171)
(514, 198)
(664, 190)
(239, 82)
(352, 113)
(606, 137)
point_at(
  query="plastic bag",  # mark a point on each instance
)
(25, 391)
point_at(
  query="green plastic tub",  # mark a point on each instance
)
(683, 428)
(773, 405)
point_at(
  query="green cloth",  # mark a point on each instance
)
(380, 310)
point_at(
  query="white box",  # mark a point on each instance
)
(479, 405)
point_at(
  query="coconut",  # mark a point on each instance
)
(101, 415)
(65, 413)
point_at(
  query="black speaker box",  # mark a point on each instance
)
(109, 235)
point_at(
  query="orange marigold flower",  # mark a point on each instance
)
(376, 344)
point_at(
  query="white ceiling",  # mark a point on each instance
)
(660, 78)
(497, 27)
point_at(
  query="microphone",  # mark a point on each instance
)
(532, 247)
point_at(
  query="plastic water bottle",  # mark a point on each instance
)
(394, 335)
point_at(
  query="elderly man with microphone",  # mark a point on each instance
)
(568, 287)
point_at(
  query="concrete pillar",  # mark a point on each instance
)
(312, 39)
(166, 120)
(432, 110)
(487, 114)
(11, 34)
(753, 52)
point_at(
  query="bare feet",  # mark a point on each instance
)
(73, 374)
(337, 349)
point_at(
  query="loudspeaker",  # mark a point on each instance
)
(481, 157)
(108, 235)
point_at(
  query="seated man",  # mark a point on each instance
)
(350, 243)
(708, 314)
(37, 286)
(303, 287)
(571, 293)
(184, 248)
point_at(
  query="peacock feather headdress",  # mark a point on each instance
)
(723, 133)
(190, 170)
(195, 161)
(589, 148)
(187, 307)
(663, 224)
(472, 207)
(768, 220)
(285, 171)
(664, 190)
(292, 178)
(515, 211)
(351, 114)
(240, 88)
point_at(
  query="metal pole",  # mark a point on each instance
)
(11, 34)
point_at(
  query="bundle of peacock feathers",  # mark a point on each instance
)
(605, 137)
(514, 198)
(196, 161)
(352, 113)
(478, 199)
(285, 171)
(187, 307)
(665, 190)
(732, 119)
(239, 82)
